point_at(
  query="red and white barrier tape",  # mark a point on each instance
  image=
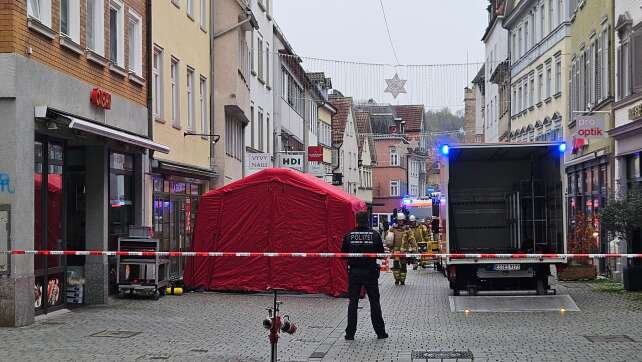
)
(315, 255)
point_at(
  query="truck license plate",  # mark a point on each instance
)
(507, 267)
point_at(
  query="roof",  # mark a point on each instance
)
(412, 114)
(364, 131)
(343, 106)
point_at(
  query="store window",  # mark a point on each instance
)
(633, 176)
(175, 205)
(48, 223)
(121, 204)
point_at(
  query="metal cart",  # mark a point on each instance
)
(147, 275)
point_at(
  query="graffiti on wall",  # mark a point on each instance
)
(5, 183)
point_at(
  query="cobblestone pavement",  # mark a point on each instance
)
(227, 327)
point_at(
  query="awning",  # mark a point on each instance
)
(115, 134)
(187, 170)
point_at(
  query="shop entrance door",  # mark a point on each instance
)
(49, 226)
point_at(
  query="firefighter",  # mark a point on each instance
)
(419, 232)
(404, 241)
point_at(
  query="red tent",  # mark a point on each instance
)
(275, 210)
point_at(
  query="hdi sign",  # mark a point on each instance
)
(292, 161)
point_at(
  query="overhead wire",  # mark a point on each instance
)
(385, 19)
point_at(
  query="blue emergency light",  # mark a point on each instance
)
(445, 149)
(562, 147)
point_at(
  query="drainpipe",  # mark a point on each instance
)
(150, 109)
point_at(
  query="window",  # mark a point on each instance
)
(190, 99)
(259, 45)
(190, 8)
(394, 157)
(40, 10)
(551, 15)
(135, 43)
(514, 101)
(293, 93)
(558, 74)
(520, 41)
(526, 37)
(531, 90)
(514, 47)
(394, 188)
(95, 26)
(542, 17)
(203, 14)
(526, 95)
(116, 33)
(203, 104)
(549, 80)
(520, 100)
(157, 82)
(233, 138)
(245, 57)
(176, 120)
(624, 54)
(605, 64)
(267, 64)
(560, 9)
(252, 127)
(70, 19)
(268, 133)
(261, 130)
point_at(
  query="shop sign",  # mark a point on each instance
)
(292, 161)
(315, 153)
(635, 112)
(100, 98)
(258, 161)
(590, 126)
(316, 169)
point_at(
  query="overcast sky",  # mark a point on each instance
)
(423, 31)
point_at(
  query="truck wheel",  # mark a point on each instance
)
(456, 292)
(472, 291)
(541, 288)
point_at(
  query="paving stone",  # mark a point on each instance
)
(227, 327)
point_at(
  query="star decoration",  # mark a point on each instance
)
(396, 86)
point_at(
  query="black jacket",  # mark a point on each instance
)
(362, 240)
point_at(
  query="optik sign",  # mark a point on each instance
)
(590, 126)
(586, 128)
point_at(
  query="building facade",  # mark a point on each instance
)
(75, 146)
(232, 27)
(259, 132)
(481, 111)
(627, 131)
(539, 32)
(345, 141)
(470, 115)
(180, 85)
(591, 78)
(497, 77)
(366, 156)
(325, 113)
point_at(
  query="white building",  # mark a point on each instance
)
(628, 103)
(496, 99)
(366, 155)
(344, 139)
(259, 131)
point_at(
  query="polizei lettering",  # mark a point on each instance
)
(361, 238)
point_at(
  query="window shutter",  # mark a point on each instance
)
(636, 60)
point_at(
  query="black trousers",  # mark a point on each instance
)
(358, 278)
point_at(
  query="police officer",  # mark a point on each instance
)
(363, 272)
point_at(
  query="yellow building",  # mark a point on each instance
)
(180, 82)
(539, 42)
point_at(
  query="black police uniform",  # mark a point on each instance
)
(363, 272)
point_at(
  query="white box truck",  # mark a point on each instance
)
(502, 199)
